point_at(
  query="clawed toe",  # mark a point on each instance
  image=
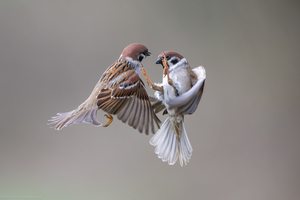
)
(109, 119)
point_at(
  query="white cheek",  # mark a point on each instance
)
(135, 64)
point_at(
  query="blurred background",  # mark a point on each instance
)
(245, 133)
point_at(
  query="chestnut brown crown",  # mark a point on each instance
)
(136, 51)
(170, 56)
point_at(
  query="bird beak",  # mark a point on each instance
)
(148, 53)
(158, 61)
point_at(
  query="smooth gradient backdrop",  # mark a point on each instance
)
(245, 133)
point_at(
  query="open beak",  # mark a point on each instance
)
(159, 61)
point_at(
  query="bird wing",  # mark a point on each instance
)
(187, 103)
(124, 95)
(119, 91)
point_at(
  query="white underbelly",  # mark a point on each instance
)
(181, 81)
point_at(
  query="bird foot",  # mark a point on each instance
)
(150, 83)
(145, 74)
(109, 119)
(166, 70)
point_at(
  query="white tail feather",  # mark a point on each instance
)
(168, 147)
(77, 116)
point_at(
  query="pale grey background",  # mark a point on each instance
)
(245, 133)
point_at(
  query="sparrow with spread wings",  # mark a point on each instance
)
(121, 92)
(179, 94)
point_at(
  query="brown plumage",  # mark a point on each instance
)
(120, 91)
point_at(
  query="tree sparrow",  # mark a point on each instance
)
(120, 91)
(180, 92)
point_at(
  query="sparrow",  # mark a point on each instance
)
(121, 92)
(180, 92)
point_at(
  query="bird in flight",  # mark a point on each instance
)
(121, 92)
(179, 93)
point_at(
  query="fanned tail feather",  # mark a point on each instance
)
(170, 146)
(77, 116)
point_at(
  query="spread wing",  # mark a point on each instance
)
(121, 92)
(124, 95)
(193, 96)
(187, 103)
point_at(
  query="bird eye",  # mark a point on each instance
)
(141, 57)
(174, 60)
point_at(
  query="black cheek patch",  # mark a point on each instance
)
(174, 61)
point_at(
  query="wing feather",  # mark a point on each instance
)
(137, 116)
(121, 92)
(125, 96)
(146, 119)
(142, 116)
(133, 112)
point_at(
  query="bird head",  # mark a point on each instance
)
(135, 52)
(172, 58)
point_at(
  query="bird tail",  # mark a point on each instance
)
(83, 114)
(171, 142)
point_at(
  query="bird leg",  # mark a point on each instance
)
(109, 119)
(166, 70)
(151, 84)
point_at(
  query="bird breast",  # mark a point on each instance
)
(181, 80)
